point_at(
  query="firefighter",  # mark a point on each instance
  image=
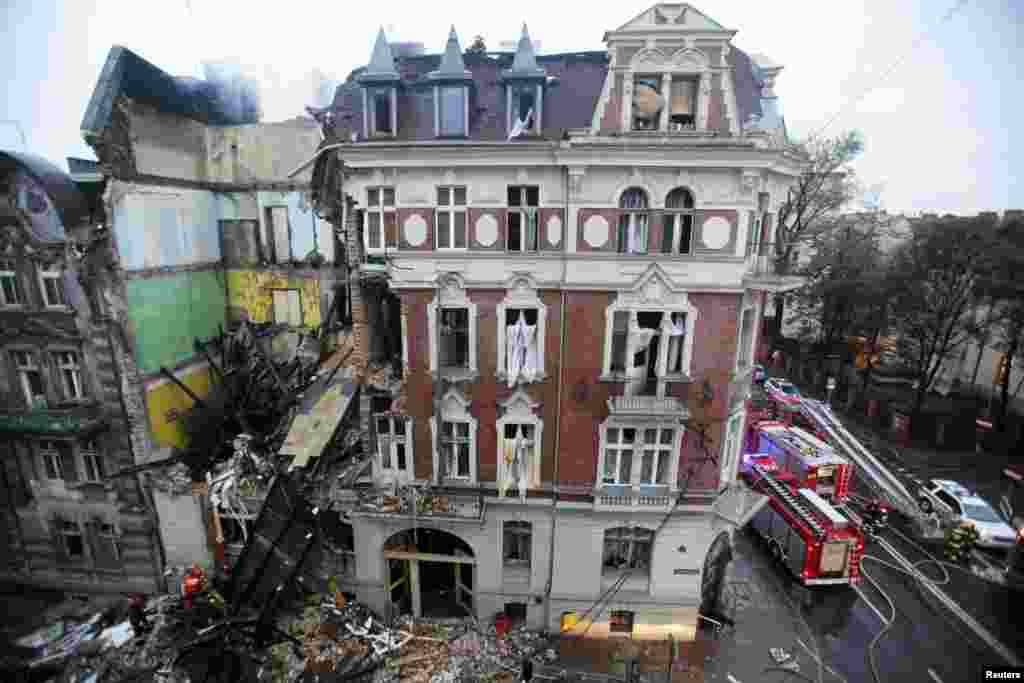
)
(875, 516)
(959, 541)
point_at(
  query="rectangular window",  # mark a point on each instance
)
(656, 460)
(392, 442)
(53, 288)
(522, 218)
(620, 336)
(279, 233)
(755, 231)
(682, 104)
(380, 229)
(70, 371)
(30, 378)
(53, 463)
(644, 338)
(10, 288)
(455, 449)
(519, 462)
(523, 105)
(647, 102)
(454, 350)
(451, 218)
(677, 235)
(71, 539)
(618, 455)
(518, 537)
(287, 307)
(746, 339)
(522, 346)
(380, 111)
(108, 550)
(93, 462)
(452, 110)
(627, 548)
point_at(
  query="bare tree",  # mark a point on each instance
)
(825, 186)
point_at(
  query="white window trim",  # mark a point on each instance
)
(637, 302)
(451, 209)
(511, 563)
(519, 210)
(78, 377)
(17, 290)
(86, 453)
(454, 408)
(400, 475)
(638, 579)
(522, 293)
(538, 98)
(381, 211)
(26, 388)
(634, 478)
(731, 450)
(452, 294)
(45, 454)
(50, 274)
(748, 303)
(520, 409)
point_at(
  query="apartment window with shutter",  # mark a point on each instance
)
(518, 537)
(380, 227)
(52, 284)
(10, 287)
(279, 233)
(677, 234)
(455, 448)
(30, 378)
(70, 372)
(633, 222)
(451, 218)
(522, 218)
(287, 307)
(93, 462)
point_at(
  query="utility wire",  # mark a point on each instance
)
(888, 72)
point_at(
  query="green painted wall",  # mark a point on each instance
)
(167, 312)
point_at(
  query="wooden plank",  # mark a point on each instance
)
(427, 557)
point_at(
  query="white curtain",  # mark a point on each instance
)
(514, 343)
(674, 328)
(509, 448)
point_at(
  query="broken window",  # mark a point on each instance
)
(647, 102)
(10, 288)
(677, 233)
(393, 444)
(454, 350)
(522, 218)
(339, 537)
(633, 222)
(637, 340)
(451, 218)
(455, 447)
(70, 372)
(106, 546)
(682, 112)
(52, 282)
(287, 307)
(93, 462)
(520, 457)
(518, 537)
(30, 377)
(746, 339)
(380, 111)
(618, 455)
(620, 336)
(380, 229)
(452, 110)
(523, 106)
(628, 548)
(279, 233)
(522, 355)
(656, 456)
(71, 541)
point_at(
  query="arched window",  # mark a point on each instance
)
(633, 222)
(677, 235)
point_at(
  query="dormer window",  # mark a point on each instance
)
(523, 104)
(451, 110)
(381, 112)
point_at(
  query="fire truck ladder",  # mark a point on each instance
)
(786, 495)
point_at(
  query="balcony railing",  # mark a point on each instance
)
(644, 497)
(422, 502)
(646, 405)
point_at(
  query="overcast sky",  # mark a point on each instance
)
(937, 131)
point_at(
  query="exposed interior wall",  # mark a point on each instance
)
(167, 312)
(167, 404)
(305, 229)
(251, 294)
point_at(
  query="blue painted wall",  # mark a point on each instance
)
(165, 227)
(302, 221)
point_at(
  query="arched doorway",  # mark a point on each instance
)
(713, 577)
(430, 573)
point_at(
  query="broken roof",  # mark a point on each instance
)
(65, 195)
(126, 73)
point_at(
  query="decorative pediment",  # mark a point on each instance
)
(664, 15)
(454, 404)
(451, 288)
(519, 404)
(689, 58)
(654, 288)
(521, 286)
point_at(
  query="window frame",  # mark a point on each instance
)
(76, 368)
(22, 371)
(694, 81)
(272, 233)
(92, 462)
(9, 271)
(451, 210)
(629, 218)
(454, 409)
(48, 273)
(517, 210)
(636, 78)
(630, 536)
(402, 474)
(672, 304)
(519, 409)
(452, 294)
(371, 111)
(517, 529)
(50, 459)
(677, 217)
(513, 91)
(521, 294)
(634, 482)
(107, 532)
(382, 211)
(439, 110)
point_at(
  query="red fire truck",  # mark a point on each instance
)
(809, 536)
(813, 463)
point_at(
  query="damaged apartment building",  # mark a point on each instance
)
(559, 267)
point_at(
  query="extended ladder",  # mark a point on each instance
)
(786, 495)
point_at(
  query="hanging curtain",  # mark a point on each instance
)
(531, 359)
(508, 456)
(513, 353)
(530, 227)
(523, 446)
(675, 328)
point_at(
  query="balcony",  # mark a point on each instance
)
(647, 406)
(625, 497)
(418, 501)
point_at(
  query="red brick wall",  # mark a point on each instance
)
(499, 217)
(610, 215)
(418, 382)
(612, 119)
(545, 214)
(428, 216)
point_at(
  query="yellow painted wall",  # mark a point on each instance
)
(250, 290)
(167, 405)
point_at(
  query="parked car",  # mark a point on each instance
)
(782, 390)
(957, 500)
(763, 459)
(760, 374)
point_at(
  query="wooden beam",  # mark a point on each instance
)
(427, 557)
